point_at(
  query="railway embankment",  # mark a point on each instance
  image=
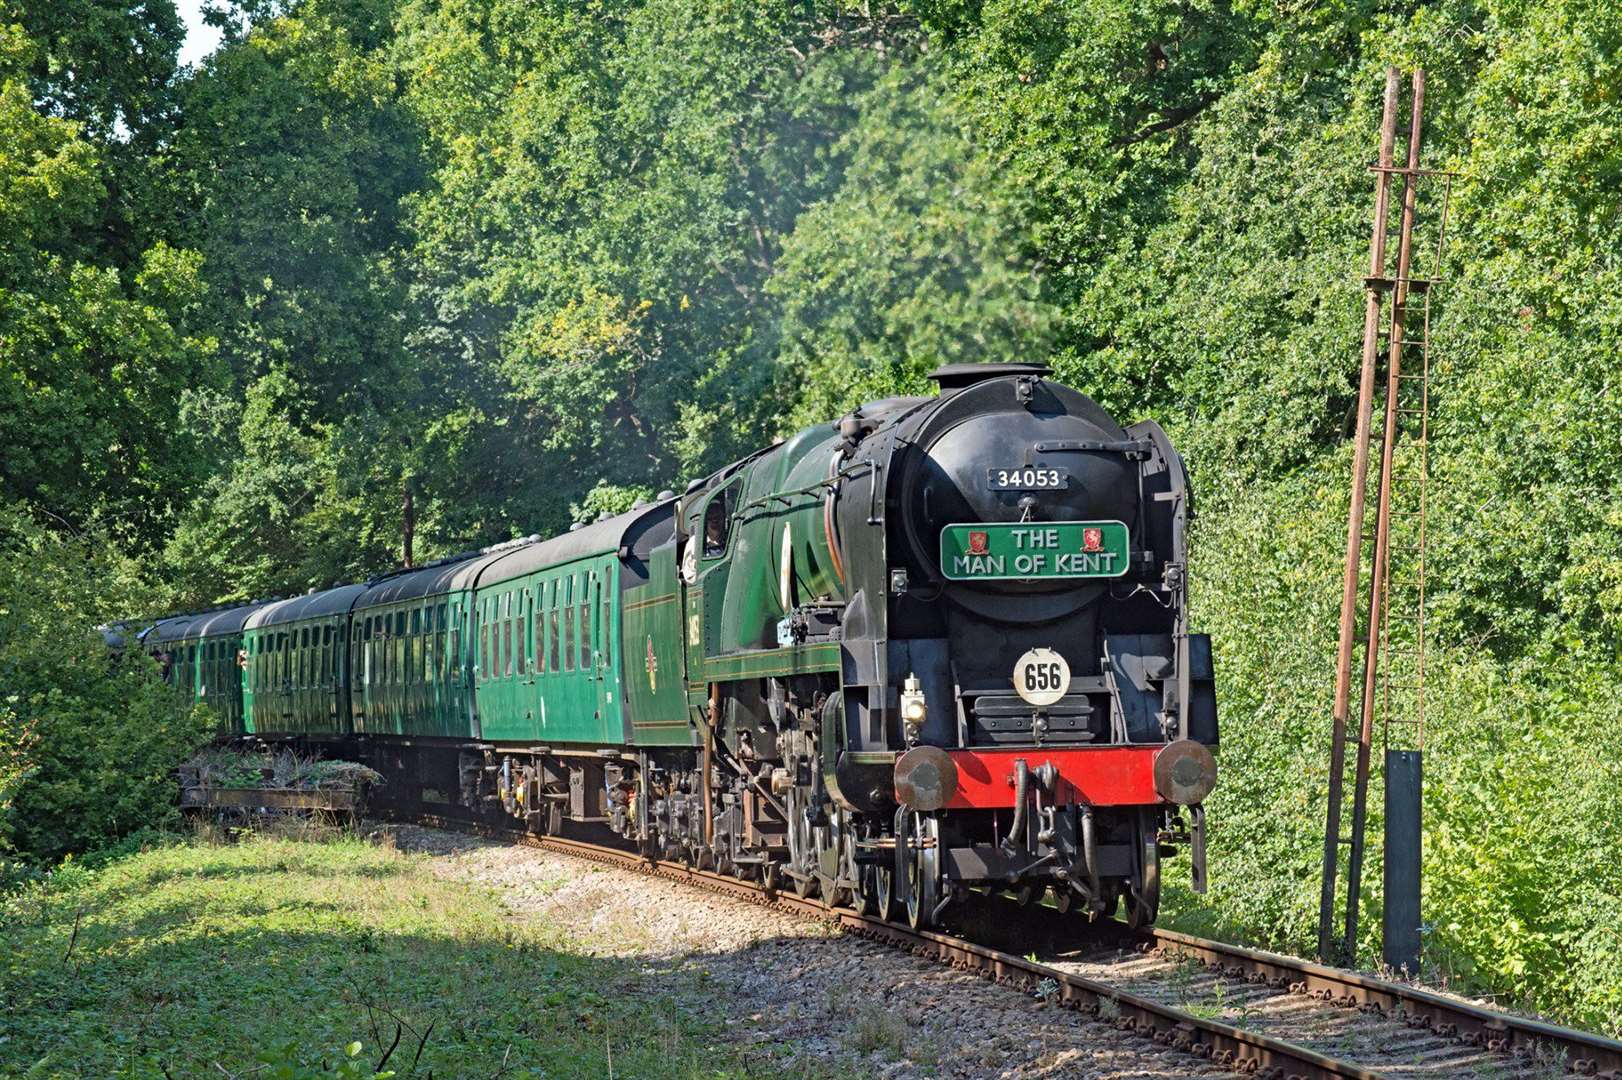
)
(300, 956)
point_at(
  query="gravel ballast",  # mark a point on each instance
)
(795, 996)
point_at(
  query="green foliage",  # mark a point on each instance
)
(915, 261)
(182, 959)
(98, 341)
(299, 224)
(88, 746)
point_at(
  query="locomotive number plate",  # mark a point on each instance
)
(1035, 549)
(1027, 478)
(1041, 677)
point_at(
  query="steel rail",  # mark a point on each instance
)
(1242, 1051)
(1586, 1054)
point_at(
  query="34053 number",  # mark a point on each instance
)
(1027, 478)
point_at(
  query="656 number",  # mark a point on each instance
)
(1041, 677)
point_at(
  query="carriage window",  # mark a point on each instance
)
(453, 655)
(523, 632)
(441, 633)
(540, 628)
(504, 633)
(585, 622)
(718, 522)
(567, 603)
(554, 663)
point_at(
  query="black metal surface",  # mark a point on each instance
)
(331, 602)
(1403, 790)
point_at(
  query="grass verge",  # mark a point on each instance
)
(272, 957)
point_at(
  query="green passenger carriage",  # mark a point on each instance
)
(202, 658)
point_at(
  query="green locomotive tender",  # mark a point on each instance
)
(939, 644)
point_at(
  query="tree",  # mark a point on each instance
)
(99, 346)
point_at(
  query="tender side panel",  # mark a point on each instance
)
(653, 666)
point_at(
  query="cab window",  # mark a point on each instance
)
(718, 521)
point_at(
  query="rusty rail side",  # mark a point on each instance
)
(1586, 1054)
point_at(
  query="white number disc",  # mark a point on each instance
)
(1041, 677)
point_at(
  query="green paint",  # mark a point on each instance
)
(764, 663)
(296, 677)
(410, 668)
(655, 669)
(546, 661)
(1035, 550)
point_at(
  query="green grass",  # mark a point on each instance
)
(199, 959)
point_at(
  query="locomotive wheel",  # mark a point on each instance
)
(884, 899)
(1143, 892)
(833, 859)
(802, 855)
(865, 897)
(917, 868)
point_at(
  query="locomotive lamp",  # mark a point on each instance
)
(913, 708)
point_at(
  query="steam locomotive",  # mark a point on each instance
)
(941, 644)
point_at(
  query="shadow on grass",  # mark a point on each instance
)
(166, 996)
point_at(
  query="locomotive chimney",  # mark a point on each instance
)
(954, 377)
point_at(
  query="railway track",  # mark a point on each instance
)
(1254, 1012)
